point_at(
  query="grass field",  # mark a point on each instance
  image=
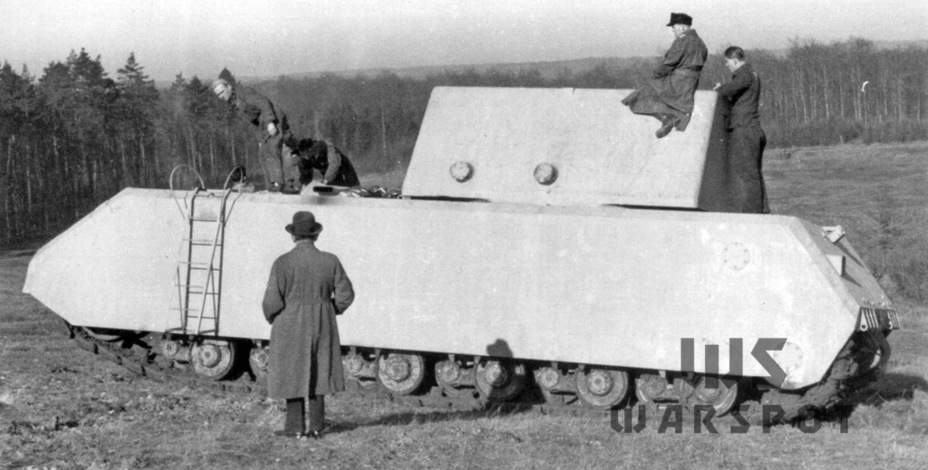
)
(61, 407)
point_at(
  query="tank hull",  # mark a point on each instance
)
(607, 286)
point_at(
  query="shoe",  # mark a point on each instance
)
(313, 434)
(290, 434)
(668, 126)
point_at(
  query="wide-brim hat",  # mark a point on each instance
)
(304, 225)
(680, 18)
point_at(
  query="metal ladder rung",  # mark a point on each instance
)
(203, 219)
(201, 242)
(179, 309)
(189, 286)
(203, 266)
(199, 292)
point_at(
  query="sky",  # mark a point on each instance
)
(271, 38)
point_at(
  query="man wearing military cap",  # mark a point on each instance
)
(668, 94)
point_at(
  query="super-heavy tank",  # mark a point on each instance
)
(545, 240)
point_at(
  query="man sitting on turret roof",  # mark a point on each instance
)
(668, 95)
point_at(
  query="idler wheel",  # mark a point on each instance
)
(720, 393)
(499, 381)
(401, 374)
(213, 359)
(601, 388)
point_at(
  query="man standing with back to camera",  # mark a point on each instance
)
(746, 139)
(306, 289)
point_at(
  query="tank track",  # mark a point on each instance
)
(851, 373)
(137, 356)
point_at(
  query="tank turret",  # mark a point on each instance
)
(564, 147)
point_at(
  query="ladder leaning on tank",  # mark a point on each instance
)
(201, 252)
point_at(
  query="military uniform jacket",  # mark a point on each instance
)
(259, 111)
(744, 93)
(307, 288)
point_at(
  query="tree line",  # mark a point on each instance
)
(849, 91)
(73, 137)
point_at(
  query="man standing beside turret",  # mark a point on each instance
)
(746, 139)
(668, 95)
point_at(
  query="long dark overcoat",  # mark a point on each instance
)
(670, 89)
(306, 290)
(746, 141)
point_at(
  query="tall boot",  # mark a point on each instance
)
(294, 424)
(316, 415)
